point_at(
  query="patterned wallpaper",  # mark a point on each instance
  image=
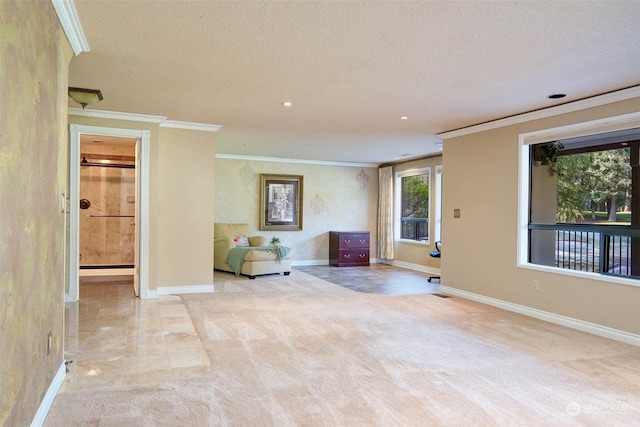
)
(336, 198)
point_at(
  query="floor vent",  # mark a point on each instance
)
(441, 295)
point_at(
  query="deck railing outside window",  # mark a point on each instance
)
(414, 228)
(593, 248)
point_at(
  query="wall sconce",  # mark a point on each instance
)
(85, 97)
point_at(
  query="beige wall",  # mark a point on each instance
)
(413, 253)
(185, 194)
(334, 200)
(180, 251)
(34, 64)
(481, 179)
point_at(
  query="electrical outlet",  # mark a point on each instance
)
(49, 343)
(536, 285)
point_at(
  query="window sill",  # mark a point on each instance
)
(581, 274)
(413, 242)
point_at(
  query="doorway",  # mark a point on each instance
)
(108, 206)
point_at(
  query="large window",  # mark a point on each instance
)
(583, 203)
(412, 204)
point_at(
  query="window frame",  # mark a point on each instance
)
(397, 211)
(437, 231)
(608, 124)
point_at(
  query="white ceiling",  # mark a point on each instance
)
(351, 69)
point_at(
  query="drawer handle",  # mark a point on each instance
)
(347, 255)
(363, 255)
(347, 241)
(362, 241)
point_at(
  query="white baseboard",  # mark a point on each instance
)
(305, 262)
(149, 294)
(569, 322)
(411, 266)
(176, 290)
(49, 396)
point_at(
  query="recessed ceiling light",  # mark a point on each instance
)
(404, 118)
(287, 103)
(557, 96)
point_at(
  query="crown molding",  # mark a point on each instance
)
(606, 124)
(570, 107)
(204, 127)
(302, 161)
(134, 117)
(116, 115)
(68, 16)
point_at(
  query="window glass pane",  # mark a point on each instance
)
(595, 187)
(415, 207)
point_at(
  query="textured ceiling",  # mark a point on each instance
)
(351, 69)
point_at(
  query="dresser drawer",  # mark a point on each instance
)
(353, 240)
(353, 257)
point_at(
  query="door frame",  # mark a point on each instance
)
(142, 195)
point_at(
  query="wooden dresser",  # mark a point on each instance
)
(348, 248)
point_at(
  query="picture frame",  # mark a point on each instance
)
(281, 202)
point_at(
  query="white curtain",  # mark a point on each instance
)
(385, 213)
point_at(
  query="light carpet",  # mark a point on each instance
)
(297, 350)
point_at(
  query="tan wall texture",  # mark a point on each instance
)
(34, 63)
(335, 199)
(185, 194)
(481, 179)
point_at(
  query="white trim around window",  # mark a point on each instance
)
(397, 209)
(608, 124)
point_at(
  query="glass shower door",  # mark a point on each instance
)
(107, 215)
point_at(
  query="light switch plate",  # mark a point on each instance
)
(456, 213)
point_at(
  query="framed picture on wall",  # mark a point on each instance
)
(281, 202)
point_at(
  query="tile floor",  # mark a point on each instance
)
(115, 339)
(375, 279)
